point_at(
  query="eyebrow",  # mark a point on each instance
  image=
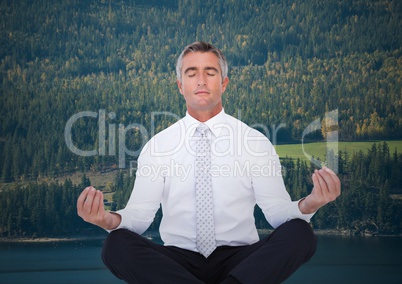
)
(195, 69)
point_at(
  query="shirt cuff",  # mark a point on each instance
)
(123, 221)
(130, 223)
(297, 214)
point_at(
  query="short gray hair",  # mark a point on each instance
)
(201, 46)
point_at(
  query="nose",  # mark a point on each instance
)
(201, 80)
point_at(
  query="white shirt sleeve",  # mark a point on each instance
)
(270, 191)
(146, 195)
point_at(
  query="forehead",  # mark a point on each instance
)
(200, 60)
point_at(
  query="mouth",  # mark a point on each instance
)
(202, 92)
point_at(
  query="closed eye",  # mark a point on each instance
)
(211, 71)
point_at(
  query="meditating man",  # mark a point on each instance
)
(207, 172)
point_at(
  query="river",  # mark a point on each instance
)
(337, 260)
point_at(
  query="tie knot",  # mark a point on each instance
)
(202, 129)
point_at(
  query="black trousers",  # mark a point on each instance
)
(273, 259)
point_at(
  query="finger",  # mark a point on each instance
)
(329, 171)
(100, 202)
(316, 183)
(336, 180)
(321, 182)
(328, 175)
(89, 200)
(81, 199)
(97, 205)
(332, 180)
(332, 184)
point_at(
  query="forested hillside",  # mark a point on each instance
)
(290, 62)
(367, 205)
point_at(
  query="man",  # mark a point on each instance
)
(208, 171)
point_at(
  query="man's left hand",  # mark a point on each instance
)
(327, 187)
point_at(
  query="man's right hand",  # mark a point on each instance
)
(91, 209)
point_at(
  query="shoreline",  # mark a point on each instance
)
(328, 232)
(340, 233)
(50, 239)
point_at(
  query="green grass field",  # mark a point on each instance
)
(318, 149)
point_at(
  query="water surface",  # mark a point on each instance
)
(337, 260)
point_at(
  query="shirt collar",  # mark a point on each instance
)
(214, 123)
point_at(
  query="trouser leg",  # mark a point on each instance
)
(275, 258)
(135, 259)
(272, 260)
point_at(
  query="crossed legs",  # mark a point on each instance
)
(271, 260)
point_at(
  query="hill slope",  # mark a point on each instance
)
(290, 63)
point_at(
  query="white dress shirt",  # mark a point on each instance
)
(245, 171)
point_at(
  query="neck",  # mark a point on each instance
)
(203, 115)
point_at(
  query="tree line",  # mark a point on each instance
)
(367, 205)
(290, 63)
(42, 209)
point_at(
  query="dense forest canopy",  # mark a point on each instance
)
(290, 62)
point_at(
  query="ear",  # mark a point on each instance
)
(180, 86)
(225, 83)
